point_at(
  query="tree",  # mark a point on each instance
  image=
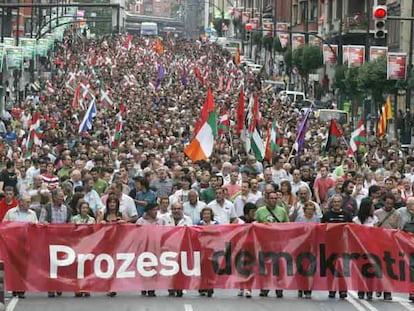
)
(307, 59)
(217, 22)
(372, 78)
(257, 38)
(346, 80)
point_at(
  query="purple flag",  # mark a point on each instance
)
(184, 77)
(300, 135)
(161, 75)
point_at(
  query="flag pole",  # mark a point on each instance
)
(231, 142)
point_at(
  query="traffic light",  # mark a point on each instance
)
(248, 29)
(380, 17)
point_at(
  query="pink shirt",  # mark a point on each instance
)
(323, 185)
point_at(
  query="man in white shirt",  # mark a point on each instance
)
(92, 197)
(255, 194)
(303, 197)
(223, 209)
(278, 173)
(243, 198)
(193, 207)
(297, 182)
(21, 213)
(176, 218)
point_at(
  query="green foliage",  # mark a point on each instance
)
(257, 38)
(307, 59)
(272, 43)
(287, 56)
(372, 77)
(277, 45)
(268, 43)
(217, 22)
(346, 79)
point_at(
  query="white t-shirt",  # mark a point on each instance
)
(127, 206)
(224, 213)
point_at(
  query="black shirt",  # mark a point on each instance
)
(9, 179)
(336, 217)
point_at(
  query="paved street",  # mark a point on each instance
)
(222, 301)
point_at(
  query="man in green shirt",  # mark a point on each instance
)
(209, 194)
(99, 185)
(272, 212)
(272, 209)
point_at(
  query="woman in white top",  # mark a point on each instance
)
(367, 218)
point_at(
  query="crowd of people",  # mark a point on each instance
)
(144, 177)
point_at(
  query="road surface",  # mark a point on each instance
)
(223, 300)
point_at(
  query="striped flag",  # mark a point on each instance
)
(386, 114)
(253, 140)
(274, 140)
(358, 138)
(224, 123)
(34, 134)
(237, 56)
(128, 42)
(201, 147)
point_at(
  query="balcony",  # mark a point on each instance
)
(355, 23)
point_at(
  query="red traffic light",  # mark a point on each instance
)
(249, 27)
(380, 13)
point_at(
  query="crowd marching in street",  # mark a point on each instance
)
(179, 133)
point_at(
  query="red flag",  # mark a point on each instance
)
(240, 112)
(75, 102)
(205, 110)
(198, 75)
(128, 42)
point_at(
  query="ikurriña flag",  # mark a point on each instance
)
(358, 137)
(201, 147)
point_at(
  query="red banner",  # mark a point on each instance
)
(297, 40)
(330, 53)
(124, 257)
(377, 52)
(396, 66)
(353, 55)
